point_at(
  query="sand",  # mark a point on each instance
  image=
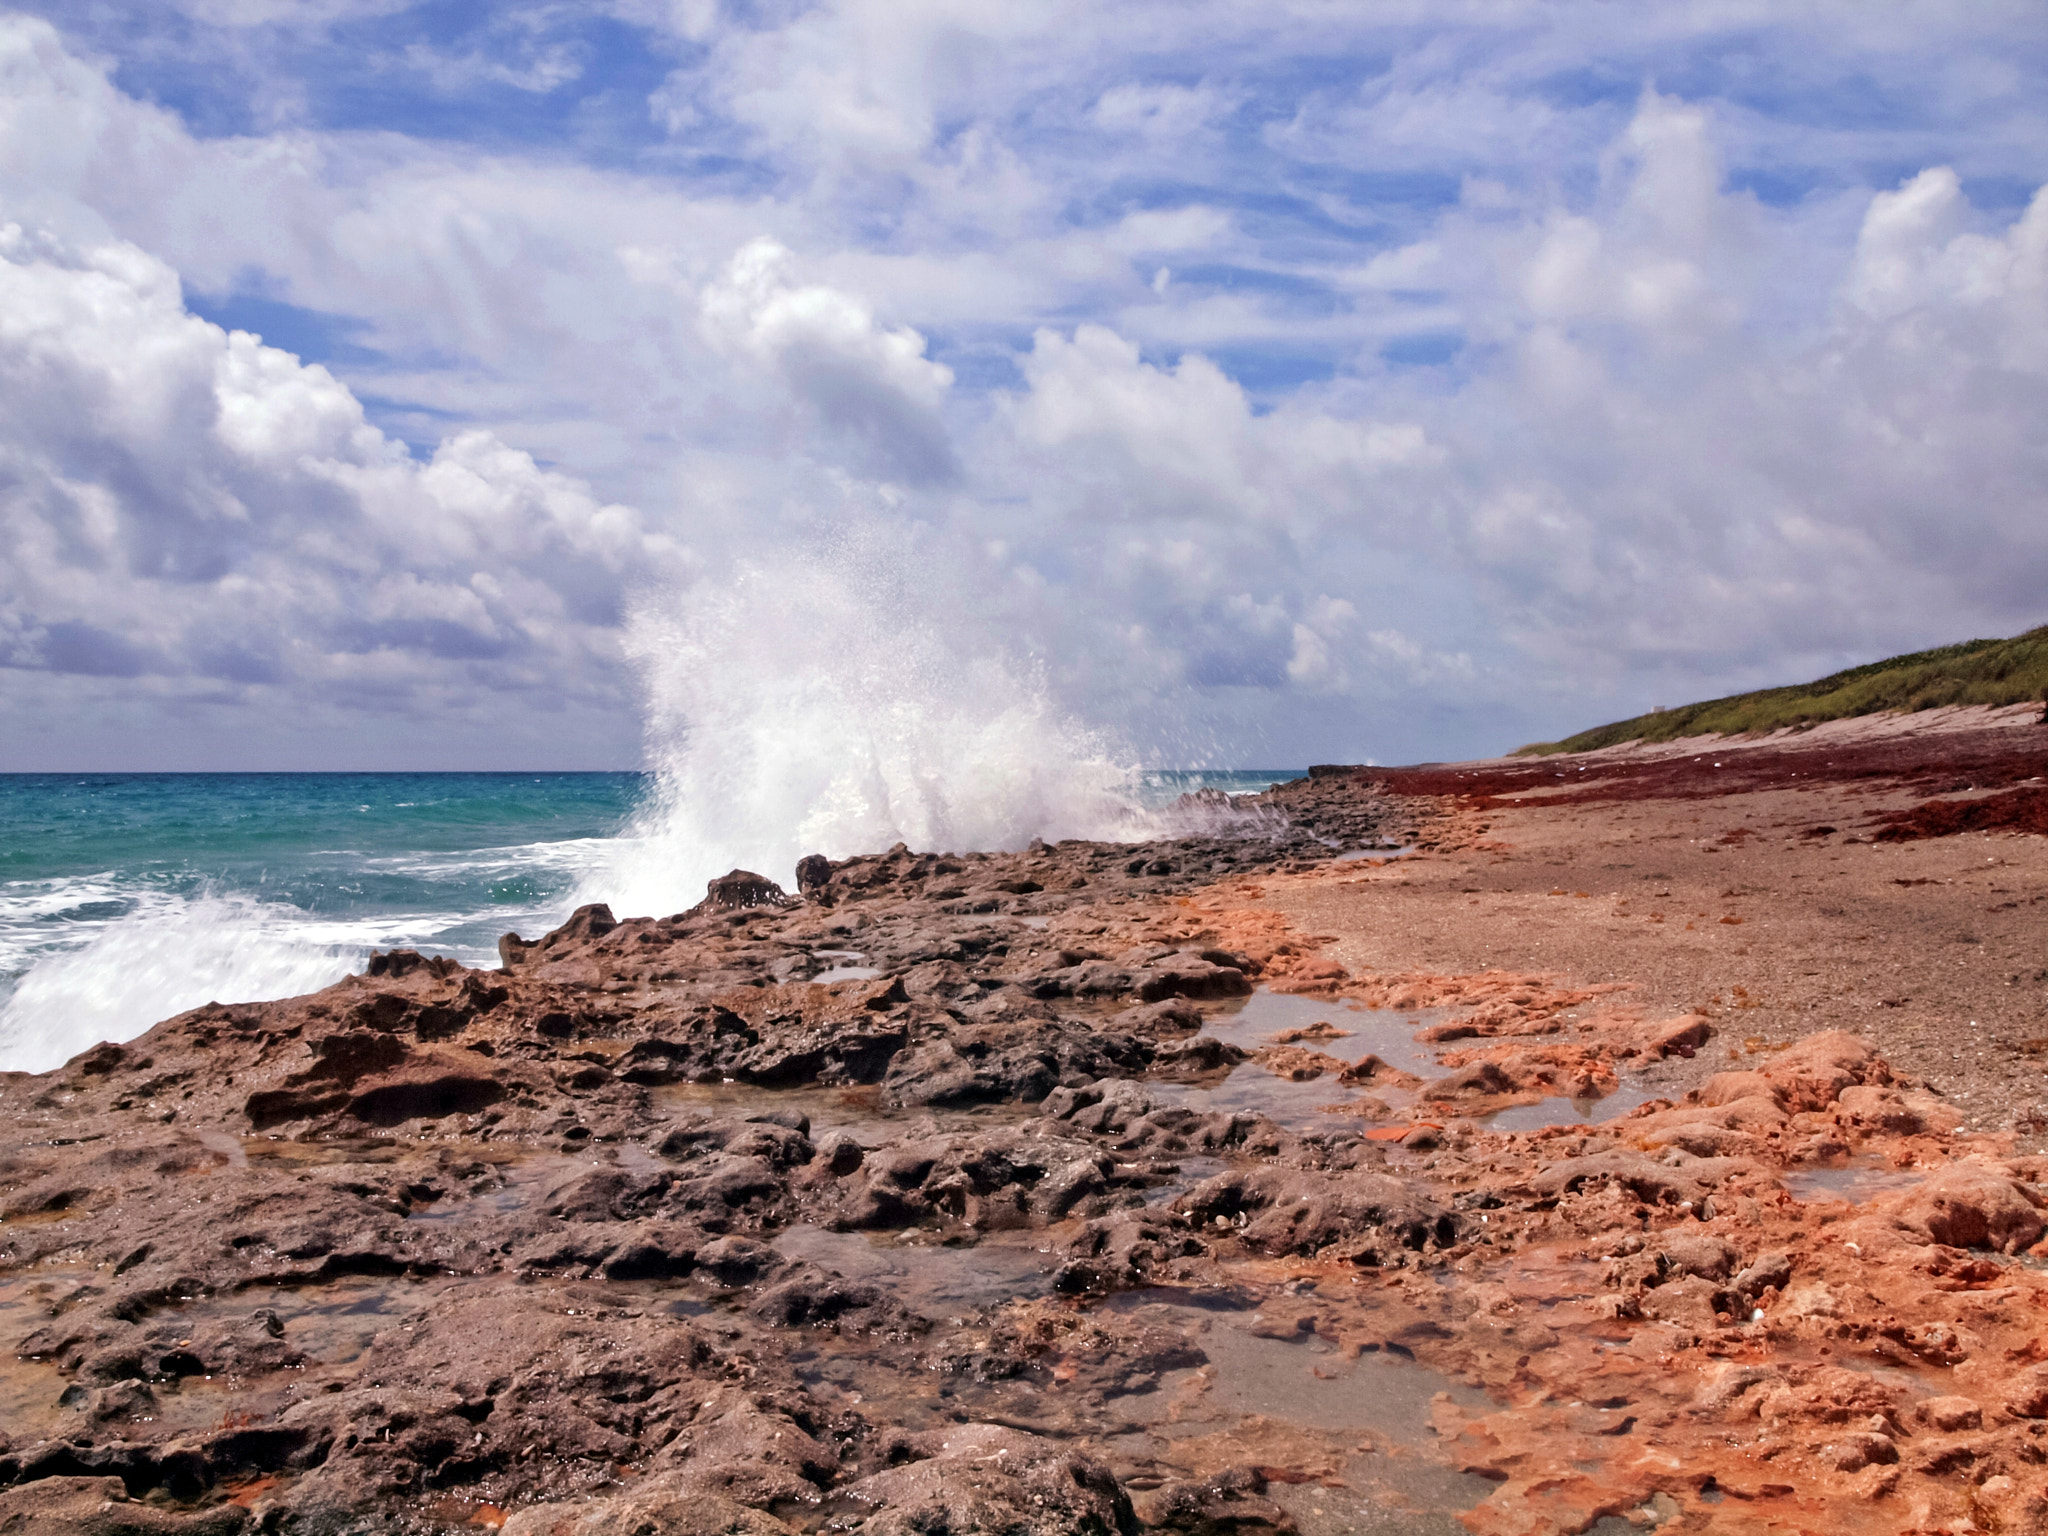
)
(1935, 950)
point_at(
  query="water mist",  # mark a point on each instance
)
(815, 707)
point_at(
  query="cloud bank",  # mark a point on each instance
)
(1389, 382)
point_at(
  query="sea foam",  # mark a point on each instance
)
(171, 955)
(816, 708)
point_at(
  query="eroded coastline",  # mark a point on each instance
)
(1081, 1189)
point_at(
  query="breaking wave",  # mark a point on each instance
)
(167, 957)
(814, 708)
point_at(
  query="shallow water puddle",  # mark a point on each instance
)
(1251, 1026)
(857, 1112)
(38, 1402)
(846, 973)
(331, 1323)
(1374, 855)
(330, 1152)
(1383, 1032)
(1530, 1117)
(1190, 1171)
(932, 1280)
(1251, 1089)
(1387, 1033)
(1854, 1185)
(522, 1177)
(1344, 1438)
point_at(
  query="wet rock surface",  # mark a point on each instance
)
(1063, 1191)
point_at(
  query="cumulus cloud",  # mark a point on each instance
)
(185, 506)
(1393, 381)
(1685, 476)
(871, 383)
(1184, 440)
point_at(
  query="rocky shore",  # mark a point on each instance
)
(1306, 1172)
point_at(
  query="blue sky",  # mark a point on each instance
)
(1261, 384)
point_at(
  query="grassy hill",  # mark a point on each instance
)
(1974, 672)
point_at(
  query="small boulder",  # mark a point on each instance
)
(1952, 1415)
(1705, 1256)
(740, 890)
(1852, 1453)
(983, 1477)
(1232, 1503)
(2027, 1398)
(813, 874)
(100, 1506)
(1483, 1079)
(1968, 1206)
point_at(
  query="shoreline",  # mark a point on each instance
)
(711, 1220)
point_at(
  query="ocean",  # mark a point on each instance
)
(126, 898)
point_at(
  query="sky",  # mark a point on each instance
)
(385, 385)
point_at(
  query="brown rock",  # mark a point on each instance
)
(664, 1505)
(1322, 1029)
(1884, 1108)
(1730, 1087)
(813, 874)
(1813, 1073)
(1738, 1389)
(1703, 1255)
(1681, 1036)
(1967, 1206)
(982, 1477)
(1370, 1069)
(1483, 1079)
(1852, 1453)
(740, 890)
(1952, 1415)
(2028, 1396)
(1232, 1503)
(1298, 1065)
(100, 1506)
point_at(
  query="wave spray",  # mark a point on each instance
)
(170, 956)
(815, 708)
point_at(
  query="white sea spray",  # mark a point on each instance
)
(818, 706)
(169, 955)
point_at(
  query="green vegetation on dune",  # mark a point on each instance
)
(1975, 672)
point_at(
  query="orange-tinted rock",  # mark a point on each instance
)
(2028, 1396)
(1298, 1065)
(1732, 1087)
(1813, 1073)
(1952, 1414)
(1968, 1206)
(1674, 1037)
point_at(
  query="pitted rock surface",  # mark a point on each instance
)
(649, 1229)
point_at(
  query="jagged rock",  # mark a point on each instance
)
(1965, 1206)
(982, 1477)
(740, 890)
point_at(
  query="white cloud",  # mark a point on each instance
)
(539, 69)
(185, 506)
(1684, 477)
(1918, 261)
(1139, 440)
(1134, 296)
(867, 381)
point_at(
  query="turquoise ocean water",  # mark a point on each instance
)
(125, 898)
